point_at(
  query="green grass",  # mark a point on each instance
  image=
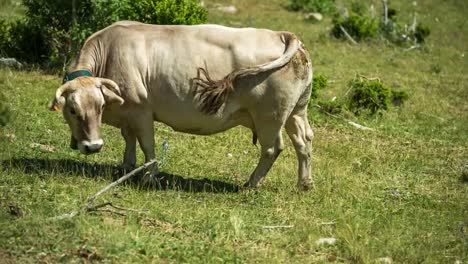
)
(394, 192)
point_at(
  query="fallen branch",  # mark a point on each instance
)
(413, 47)
(88, 207)
(277, 227)
(347, 35)
(385, 6)
(354, 124)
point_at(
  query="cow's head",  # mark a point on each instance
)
(82, 101)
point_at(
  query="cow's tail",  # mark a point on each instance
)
(213, 94)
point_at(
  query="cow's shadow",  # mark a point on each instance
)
(163, 181)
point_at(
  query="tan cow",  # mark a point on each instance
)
(201, 79)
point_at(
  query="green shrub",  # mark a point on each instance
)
(358, 27)
(333, 107)
(174, 12)
(398, 97)
(319, 82)
(421, 33)
(5, 37)
(359, 8)
(54, 29)
(370, 96)
(321, 6)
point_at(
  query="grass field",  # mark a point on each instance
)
(397, 192)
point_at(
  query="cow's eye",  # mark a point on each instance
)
(72, 111)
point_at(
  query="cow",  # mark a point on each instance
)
(200, 79)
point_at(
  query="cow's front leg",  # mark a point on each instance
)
(144, 131)
(129, 159)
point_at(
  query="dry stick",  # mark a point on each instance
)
(354, 124)
(384, 2)
(277, 227)
(111, 204)
(89, 205)
(347, 35)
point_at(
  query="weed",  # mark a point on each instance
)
(359, 27)
(398, 97)
(368, 95)
(319, 82)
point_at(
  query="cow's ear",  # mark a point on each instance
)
(110, 96)
(55, 106)
(59, 100)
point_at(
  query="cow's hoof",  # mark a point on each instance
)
(305, 186)
(248, 186)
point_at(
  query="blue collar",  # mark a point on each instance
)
(76, 74)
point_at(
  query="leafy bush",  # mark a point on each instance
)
(398, 97)
(318, 83)
(53, 29)
(5, 37)
(368, 95)
(321, 6)
(421, 33)
(359, 27)
(175, 12)
(333, 107)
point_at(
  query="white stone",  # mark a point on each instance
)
(228, 9)
(326, 241)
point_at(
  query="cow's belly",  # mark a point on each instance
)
(186, 118)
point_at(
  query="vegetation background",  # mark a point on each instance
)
(398, 193)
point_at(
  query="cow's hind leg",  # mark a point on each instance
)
(300, 132)
(271, 144)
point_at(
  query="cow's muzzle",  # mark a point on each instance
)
(90, 147)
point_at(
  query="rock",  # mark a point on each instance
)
(326, 241)
(11, 137)
(227, 9)
(229, 155)
(385, 260)
(10, 63)
(42, 147)
(314, 16)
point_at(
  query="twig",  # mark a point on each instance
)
(117, 182)
(278, 226)
(97, 207)
(89, 205)
(354, 124)
(109, 211)
(332, 223)
(384, 2)
(413, 47)
(347, 35)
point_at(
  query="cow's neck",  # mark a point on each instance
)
(90, 58)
